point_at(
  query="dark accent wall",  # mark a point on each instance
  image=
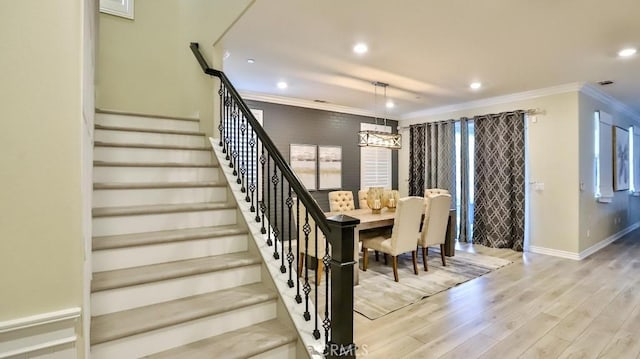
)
(299, 125)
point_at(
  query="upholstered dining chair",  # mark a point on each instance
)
(406, 228)
(340, 201)
(310, 248)
(434, 226)
(362, 199)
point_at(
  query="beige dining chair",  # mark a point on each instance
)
(362, 199)
(431, 191)
(310, 248)
(340, 201)
(434, 226)
(406, 227)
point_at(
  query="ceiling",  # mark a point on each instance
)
(430, 51)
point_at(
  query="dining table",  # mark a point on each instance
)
(385, 219)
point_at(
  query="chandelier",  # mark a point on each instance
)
(378, 138)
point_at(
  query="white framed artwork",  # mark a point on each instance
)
(303, 160)
(122, 8)
(330, 167)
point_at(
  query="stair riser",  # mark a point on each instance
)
(152, 155)
(155, 174)
(149, 138)
(107, 226)
(114, 300)
(111, 259)
(145, 122)
(283, 352)
(159, 340)
(139, 197)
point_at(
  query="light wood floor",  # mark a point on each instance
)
(538, 307)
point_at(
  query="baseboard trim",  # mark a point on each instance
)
(587, 252)
(605, 242)
(554, 252)
(46, 331)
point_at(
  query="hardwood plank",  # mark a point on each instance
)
(625, 343)
(470, 349)
(549, 346)
(520, 340)
(396, 349)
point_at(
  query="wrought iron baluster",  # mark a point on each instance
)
(242, 152)
(326, 323)
(316, 332)
(263, 207)
(254, 173)
(234, 140)
(221, 93)
(306, 288)
(274, 203)
(268, 204)
(299, 252)
(290, 256)
(227, 120)
(283, 269)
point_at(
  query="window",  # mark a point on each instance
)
(634, 159)
(603, 157)
(375, 162)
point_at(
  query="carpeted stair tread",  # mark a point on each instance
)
(163, 271)
(146, 115)
(126, 323)
(149, 130)
(140, 239)
(153, 164)
(242, 343)
(151, 146)
(158, 208)
(154, 185)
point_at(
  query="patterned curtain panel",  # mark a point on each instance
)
(416, 160)
(464, 180)
(499, 180)
(440, 157)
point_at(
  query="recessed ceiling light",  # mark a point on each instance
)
(627, 52)
(282, 85)
(360, 48)
(251, 61)
(390, 104)
(475, 85)
(226, 55)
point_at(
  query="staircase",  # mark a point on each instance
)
(175, 273)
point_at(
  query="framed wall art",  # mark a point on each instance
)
(620, 159)
(303, 160)
(330, 167)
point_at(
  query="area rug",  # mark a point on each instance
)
(378, 294)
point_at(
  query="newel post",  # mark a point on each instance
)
(341, 344)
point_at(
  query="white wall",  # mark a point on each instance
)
(553, 160)
(45, 85)
(145, 65)
(598, 220)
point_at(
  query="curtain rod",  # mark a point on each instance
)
(528, 112)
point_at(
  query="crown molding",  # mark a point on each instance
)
(498, 100)
(597, 94)
(291, 101)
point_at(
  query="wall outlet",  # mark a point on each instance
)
(588, 233)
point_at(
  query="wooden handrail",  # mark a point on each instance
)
(303, 195)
